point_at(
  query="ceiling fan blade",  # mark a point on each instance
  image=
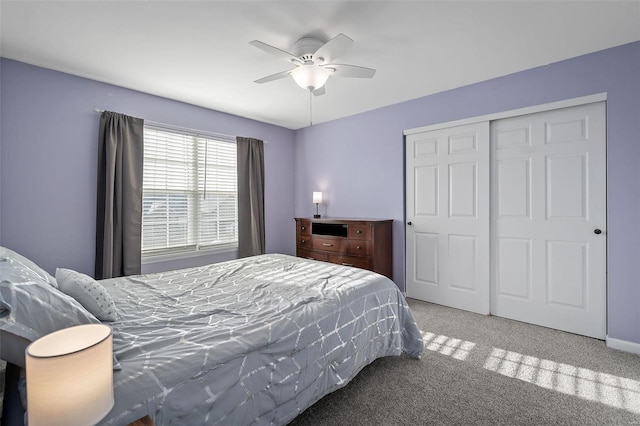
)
(342, 70)
(334, 48)
(276, 52)
(273, 77)
(319, 92)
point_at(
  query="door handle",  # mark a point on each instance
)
(597, 231)
(409, 223)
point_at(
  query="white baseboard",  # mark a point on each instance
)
(623, 345)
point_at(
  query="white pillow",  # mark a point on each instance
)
(90, 293)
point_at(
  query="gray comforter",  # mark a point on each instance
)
(250, 341)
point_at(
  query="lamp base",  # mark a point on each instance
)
(316, 216)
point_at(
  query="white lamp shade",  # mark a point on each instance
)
(70, 376)
(317, 197)
(310, 77)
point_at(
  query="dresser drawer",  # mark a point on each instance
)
(336, 245)
(359, 232)
(304, 227)
(358, 262)
(310, 254)
(359, 247)
(304, 241)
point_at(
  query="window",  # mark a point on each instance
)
(189, 192)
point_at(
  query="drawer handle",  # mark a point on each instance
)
(357, 247)
(310, 258)
(358, 232)
(347, 264)
(303, 241)
(303, 228)
(327, 245)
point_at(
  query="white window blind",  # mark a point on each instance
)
(189, 194)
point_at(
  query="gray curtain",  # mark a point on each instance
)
(251, 239)
(119, 213)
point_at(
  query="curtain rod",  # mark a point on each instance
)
(170, 126)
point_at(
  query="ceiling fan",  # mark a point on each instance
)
(313, 60)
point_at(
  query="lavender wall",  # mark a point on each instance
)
(359, 160)
(48, 159)
(49, 140)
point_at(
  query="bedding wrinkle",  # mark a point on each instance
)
(251, 341)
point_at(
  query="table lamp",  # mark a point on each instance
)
(317, 199)
(70, 376)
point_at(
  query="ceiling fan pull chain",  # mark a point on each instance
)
(310, 110)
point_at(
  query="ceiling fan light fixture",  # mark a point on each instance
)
(310, 77)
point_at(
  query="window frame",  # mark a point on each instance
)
(191, 250)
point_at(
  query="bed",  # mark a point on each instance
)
(249, 341)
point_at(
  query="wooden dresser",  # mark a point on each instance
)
(363, 243)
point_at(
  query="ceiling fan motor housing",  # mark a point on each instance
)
(306, 47)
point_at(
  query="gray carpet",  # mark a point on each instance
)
(484, 370)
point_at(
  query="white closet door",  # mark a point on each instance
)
(548, 209)
(448, 217)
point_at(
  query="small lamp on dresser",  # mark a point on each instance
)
(70, 376)
(317, 199)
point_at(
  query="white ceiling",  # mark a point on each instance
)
(199, 52)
